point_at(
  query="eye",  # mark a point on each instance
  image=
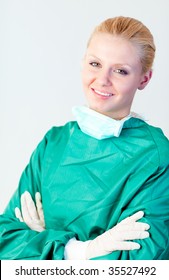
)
(121, 71)
(95, 64)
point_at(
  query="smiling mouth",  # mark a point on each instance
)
(105, 94)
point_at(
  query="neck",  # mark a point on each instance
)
(113, 115)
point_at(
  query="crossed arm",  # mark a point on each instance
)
(114, 239)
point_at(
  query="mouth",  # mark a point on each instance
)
(101, 93)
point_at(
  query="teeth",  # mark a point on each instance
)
(103, 93)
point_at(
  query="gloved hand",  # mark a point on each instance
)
(112, 240)
(30, 213)
(116, 238)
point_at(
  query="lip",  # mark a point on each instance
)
(98, 93)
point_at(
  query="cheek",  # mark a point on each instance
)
(127, 87)
(87, 78)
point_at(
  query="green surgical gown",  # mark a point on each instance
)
(87, 187)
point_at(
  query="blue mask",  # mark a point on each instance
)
(98, 125)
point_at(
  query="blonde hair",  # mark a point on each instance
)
(134, 31)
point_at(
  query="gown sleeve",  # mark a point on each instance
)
(153, 198)
(156, 209)
(17, 240)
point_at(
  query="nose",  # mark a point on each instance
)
(104, 78)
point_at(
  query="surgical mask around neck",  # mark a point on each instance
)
(97, 125)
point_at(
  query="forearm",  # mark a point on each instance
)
(17, 241)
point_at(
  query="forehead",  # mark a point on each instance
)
(111, 47)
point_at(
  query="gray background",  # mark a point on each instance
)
(41, 47)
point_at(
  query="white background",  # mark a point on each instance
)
(42, 43)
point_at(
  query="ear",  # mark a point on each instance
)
(145, 79)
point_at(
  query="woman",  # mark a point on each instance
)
(104, 180)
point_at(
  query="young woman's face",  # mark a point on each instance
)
(111, 74)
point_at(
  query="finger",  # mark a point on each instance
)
(38, 228)
(24, 209)
(135, 226)
(38, 201)
(38, 198)
(31, 206)
(127, 246)
(140, 226)
(39, 207)
(18, 214)
(133, 218)
(131, 235)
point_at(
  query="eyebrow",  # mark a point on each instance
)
(93, 56)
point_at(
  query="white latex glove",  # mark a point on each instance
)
(112, 240)
(30, 213)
